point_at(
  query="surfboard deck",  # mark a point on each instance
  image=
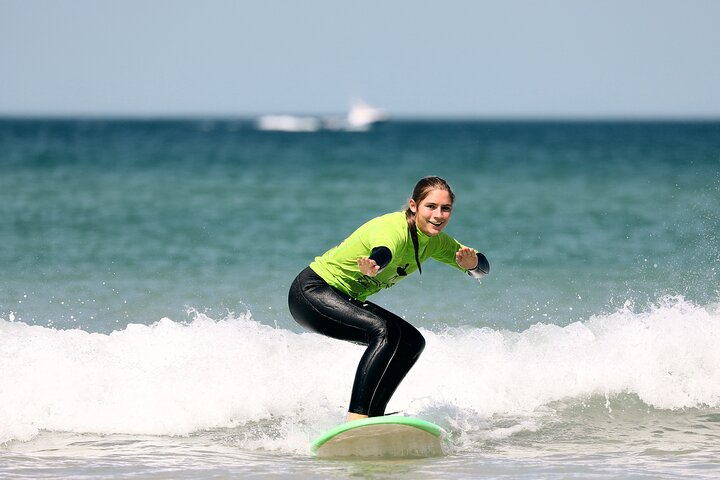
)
(390, 437)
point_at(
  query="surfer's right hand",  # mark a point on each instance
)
(368, 266)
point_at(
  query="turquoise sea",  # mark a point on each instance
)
(144, 331)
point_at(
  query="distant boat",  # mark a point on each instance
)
(288, 123)
(363, 116)
(360, 118)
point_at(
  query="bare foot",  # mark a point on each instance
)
(355, 416)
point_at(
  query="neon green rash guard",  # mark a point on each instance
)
(338, 266)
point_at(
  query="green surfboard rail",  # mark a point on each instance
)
(424, 425)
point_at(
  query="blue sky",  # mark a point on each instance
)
(510, 58)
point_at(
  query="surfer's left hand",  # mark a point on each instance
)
(466, 258)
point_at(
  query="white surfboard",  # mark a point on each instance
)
(389, 437)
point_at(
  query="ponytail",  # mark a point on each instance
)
(412, 230)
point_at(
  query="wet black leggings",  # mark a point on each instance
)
(393, 345)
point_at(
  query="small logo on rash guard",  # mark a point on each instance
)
(401, 270)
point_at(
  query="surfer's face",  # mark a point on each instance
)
(433, 212)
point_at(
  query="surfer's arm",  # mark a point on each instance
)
(379, 258)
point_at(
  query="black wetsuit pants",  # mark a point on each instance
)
(393, 345)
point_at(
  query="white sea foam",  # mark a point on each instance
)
(668, 356)
(175, 378)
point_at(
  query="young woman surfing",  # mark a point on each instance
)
(329, 296)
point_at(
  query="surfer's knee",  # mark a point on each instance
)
(413, 341)
(403, 336)
(386, 332)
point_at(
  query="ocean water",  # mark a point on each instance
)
(145, 265)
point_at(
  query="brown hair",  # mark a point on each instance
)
(422, 189)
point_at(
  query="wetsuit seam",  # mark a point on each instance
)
(382, 377)
(387, 365)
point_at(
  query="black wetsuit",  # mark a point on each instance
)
(393, 344)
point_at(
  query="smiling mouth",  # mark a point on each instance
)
(436, 224)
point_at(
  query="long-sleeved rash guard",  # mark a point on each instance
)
(338, 266)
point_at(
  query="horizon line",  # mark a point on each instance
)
(249, 117)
